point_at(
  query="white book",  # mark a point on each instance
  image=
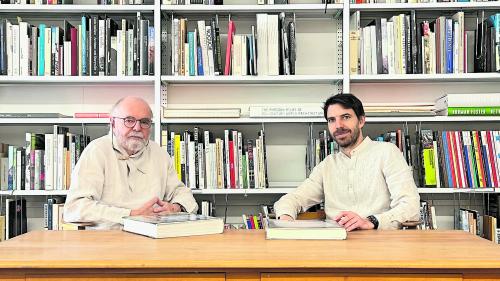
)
(67, 58)
(201, 113)
(240, 160)
(61, 163)
(262, 43)
(102, 47)
(236, 56)
(124, 50)
(202, 33)
(24, 49)
(373, 43)
(4, 173)
(48, 51)
(367, 42)
(49, 161)
(175, 46)
(18, 168)
(38, 169)
(459, 20)
(15, 50)
(192, 167)
(210, 51)
(243, 55)
(80, 55)
(173, 225)
(226, 157)
(283, 111)
(129, 52)
(390, 47)
(120, 67)
(273, 49)
(468, 100)
(305, 229)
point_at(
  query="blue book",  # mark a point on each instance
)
(447, 158)
(84, 47)
(41, 50)
(192, 71)
(486, 166)
(467, 165)
(449, 45)
(200, 61)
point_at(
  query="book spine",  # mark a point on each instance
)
(474, 111)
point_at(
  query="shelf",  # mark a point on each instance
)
(426, 78)
(442, 6)
(281, 79)
(33, 192)
(51, 121)
(298, 9)
(243, 191)
(77, 80)
(433, 190)
(395, 119)
(75, 9)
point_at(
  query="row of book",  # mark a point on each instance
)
(96, 46)
(319, 148)
(487, 104)
(413, 1)
(402, 45)
(44, 163)
(253, 221)
(427, 215)
(192, 2)
(270, 49)
(459, 159)
(70, 2)
(482, 225)
(207, 162)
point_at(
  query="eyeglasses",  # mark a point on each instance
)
(130, 122)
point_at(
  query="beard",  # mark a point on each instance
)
(133, 142)
(349, 139)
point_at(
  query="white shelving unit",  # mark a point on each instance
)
(75, 9)
(234, 91)
(34, 192)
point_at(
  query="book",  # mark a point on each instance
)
(32, 115)
(173, 225)
(285, 111)
(472, 111)
(201, 113)
(304, 230)
(91, 115)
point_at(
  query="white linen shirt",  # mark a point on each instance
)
(375, 180)
(107, 184)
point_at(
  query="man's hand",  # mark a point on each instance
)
(147, 209)
(351, 221)
(286, 218)
(165, 207)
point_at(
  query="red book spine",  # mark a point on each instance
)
(491, 155)
(91, 115)
(74, 51)
(231, 165)
(230, 32)
(451, 152)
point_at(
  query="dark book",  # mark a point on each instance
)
(144, 32)
(3, 47)
(408, 54)
(94, 45)
(219, 2)
(137, 40)
(414, 43)
(111, 28)
(292, 46)
(17, 222)
(480, 55)
(217, 44)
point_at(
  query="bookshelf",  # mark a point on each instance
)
(322, 70)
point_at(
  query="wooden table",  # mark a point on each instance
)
(246, 255)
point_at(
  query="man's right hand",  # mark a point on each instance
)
(147, 209)
(286, 218)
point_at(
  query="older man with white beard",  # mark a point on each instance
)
(124, 173)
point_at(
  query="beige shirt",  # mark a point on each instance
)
(107, 184)
(375, 180)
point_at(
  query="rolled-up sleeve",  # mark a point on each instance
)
(307, 194)
(405, 199)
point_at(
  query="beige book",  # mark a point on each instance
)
(201, 113)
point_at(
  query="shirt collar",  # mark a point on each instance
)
(362, 146)
(136, 161)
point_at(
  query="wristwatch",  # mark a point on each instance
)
(373, 220)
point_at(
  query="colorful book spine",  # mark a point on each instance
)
(474, 111)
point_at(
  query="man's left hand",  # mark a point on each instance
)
(165, 207)
(351, 221)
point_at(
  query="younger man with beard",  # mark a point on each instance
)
(124, 173)
(367, 185)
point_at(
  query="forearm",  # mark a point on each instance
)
(83, 209)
